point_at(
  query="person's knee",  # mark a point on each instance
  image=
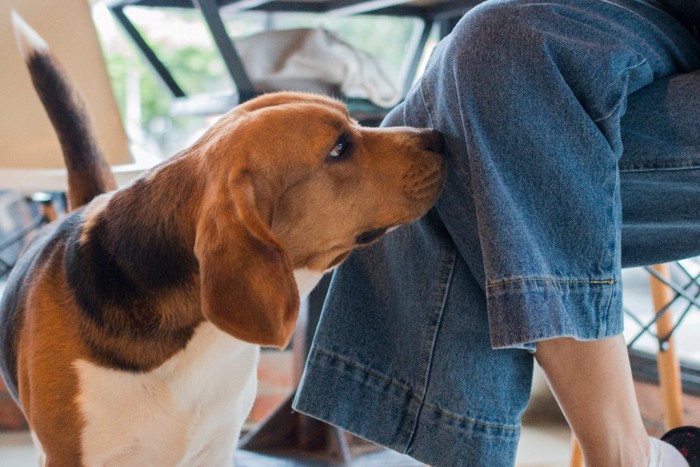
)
(526, 48)
(496, 34)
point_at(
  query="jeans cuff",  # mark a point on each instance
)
(524, 311)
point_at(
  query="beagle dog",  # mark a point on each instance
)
(130, 329)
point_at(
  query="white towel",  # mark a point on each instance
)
(315, 60)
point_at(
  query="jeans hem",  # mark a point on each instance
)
(371, 405)
(527, 310)
(654, 166)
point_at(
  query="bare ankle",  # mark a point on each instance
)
(626, 449)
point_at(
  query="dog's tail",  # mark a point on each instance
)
(88, 172)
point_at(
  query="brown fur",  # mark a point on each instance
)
(51, 342)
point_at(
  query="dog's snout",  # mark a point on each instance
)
(434, 141)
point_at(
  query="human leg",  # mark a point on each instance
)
(530, 97)
(595, 146)
(660, 191)
(523, 246)
(592, 382)
(660, 172)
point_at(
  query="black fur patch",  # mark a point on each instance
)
(132, 257)
(121, 270)
(118, 276)
(99, 282)
(159, 347)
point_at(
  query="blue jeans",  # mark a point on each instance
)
(573, 139)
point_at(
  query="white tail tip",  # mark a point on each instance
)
(28, 39)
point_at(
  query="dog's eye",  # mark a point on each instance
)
(340, 150)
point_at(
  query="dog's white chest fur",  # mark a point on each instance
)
(187, 412)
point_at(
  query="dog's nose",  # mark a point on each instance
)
(434, 141)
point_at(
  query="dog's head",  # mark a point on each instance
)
(294, 183)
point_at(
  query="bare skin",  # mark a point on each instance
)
(592, 381)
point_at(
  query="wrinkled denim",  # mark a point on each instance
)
(572, 130)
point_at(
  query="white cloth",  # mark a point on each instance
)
(663, 454)
(315, 60)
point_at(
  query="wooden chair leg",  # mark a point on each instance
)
(667, 360)
(576, 453)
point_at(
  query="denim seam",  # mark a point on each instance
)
(443, 290)
(623, 98)
(606, 312)
(428, 109)
(551, 280)
(518, 338)
(412, 394)
(650, 168)
(614, 209)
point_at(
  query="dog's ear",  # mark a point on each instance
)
(247, 284)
